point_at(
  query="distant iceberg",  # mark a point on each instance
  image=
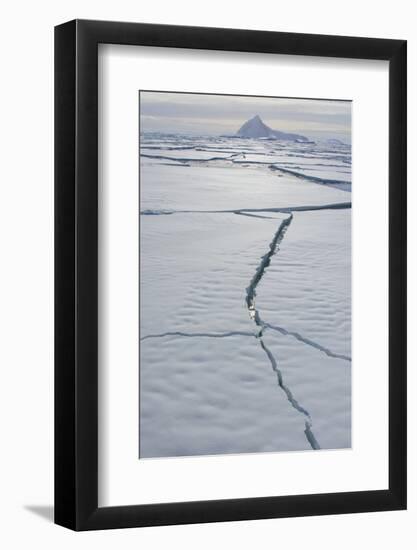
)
(256, 128)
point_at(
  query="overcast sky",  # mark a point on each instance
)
(201, 114)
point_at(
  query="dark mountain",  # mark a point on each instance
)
(256, 128)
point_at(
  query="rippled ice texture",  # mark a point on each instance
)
(245, 339)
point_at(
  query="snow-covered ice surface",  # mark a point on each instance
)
(212, 395)
(195, 269)
(227, 187)
(245, 296)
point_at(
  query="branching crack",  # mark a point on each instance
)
(254, 315)
(246, 211)
(307, 341)
(250, 302)
(254, 215)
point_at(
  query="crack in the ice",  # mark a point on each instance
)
(240, 158)
(307, 341)
(198, 334)
(282, 210)
(254, 315)
(313, 179)
(185, 159)
(281, 330)
(308, 422)
(254, 216)
(182, 165)
(260, 270)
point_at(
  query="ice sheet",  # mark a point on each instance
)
(209, 396)
(245, 296)
(228, 187)
(195, 269)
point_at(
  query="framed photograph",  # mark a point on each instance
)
(230, 275)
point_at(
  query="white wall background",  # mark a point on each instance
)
(26, 290)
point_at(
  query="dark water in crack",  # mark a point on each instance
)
(254, 315)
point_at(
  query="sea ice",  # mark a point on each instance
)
(207, 395)
(228, 187)
(215, 375)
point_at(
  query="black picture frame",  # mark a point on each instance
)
(76, 273)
